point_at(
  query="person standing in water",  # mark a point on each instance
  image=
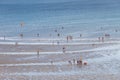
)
(102, 39)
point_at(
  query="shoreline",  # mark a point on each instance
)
(23, 61)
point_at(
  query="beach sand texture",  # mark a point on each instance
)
(22, 61)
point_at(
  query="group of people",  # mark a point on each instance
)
(78, 62)
(104, 37)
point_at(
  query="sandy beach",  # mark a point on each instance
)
(22, 61)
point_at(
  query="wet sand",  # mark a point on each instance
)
(21, 62)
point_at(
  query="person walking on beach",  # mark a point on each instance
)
(51, 62)
(38, 52)
(73, 61)
(58, 42)
(16, 43)
(64, 49)
(102, 39)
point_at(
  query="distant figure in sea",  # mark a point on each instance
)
(50, 35)
(101, 28)
(4, 37)
(62, 27)
(55, 30)
(116, 30)
(80, 35)
(21, 35)
(58, 35)
(107, 35)
(102, 39)
(99, 38)
(70, 62)
(38, 34)
(69, 38)
(22, 24)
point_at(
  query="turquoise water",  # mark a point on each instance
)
(78, 16)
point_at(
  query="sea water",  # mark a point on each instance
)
(85, 17)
